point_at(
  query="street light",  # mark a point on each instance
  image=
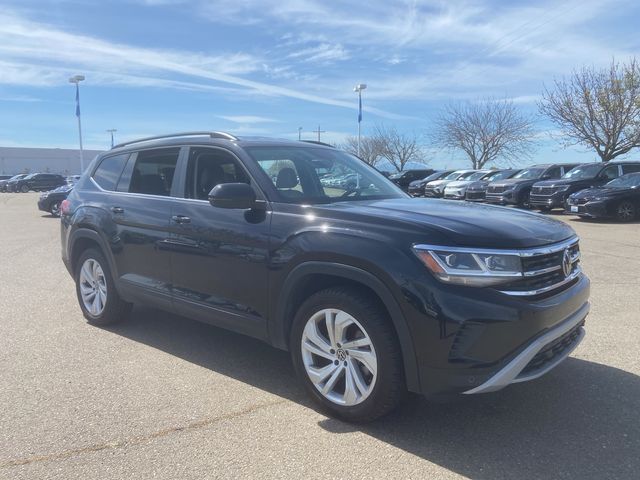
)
(77, 79)
(359, 88)
(111, 131)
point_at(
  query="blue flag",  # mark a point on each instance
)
(359, 108)
(77, 100)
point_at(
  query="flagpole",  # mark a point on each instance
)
(77, 79)
(358, 88)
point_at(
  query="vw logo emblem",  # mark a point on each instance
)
(566, 263)
(341, 354)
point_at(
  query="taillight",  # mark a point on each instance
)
(65, 207)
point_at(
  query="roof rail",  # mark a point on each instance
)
(318, 143)
(223, 135)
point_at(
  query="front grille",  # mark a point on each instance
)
(543, 190)
(496, 188)
(552, 351)
(544, 273)
(475, 195)
(577, 201)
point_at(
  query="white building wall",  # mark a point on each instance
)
(14, 160)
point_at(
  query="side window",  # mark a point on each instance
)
(109, 170)
(209, 167)
(610, 172)
(152, 172)
(554, 172)
(631, 168)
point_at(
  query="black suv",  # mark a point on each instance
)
(516, 190)
(39, 182)
(373, 293)
(551, 194)
(403, 179)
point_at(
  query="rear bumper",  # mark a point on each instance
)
(566, 337)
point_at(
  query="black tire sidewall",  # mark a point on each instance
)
(55, 212)
(390, 373)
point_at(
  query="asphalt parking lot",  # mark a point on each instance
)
(166, 397)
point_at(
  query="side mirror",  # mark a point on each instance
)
(232, 195)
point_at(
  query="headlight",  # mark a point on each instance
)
(563, 188)
(467, 267)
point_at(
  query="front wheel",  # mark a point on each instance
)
(54, 209)
(346, 353)
(626, 211)
(24, 189)
(99, 300)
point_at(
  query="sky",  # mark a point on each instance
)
(267, 67)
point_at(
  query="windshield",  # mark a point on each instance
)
(499, 175)
(453, 175)
(17, 177)
(625, 181)
(476, 175)
(321, 175)
(530, 173)
(466, 175)
(583, 171)
(434, 176)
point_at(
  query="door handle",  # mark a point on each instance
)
(181, 219)
(117, 209)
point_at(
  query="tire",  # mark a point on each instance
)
(24, 188)
(626, 211)
(54, 209)
(544, 209)
(374, 391)
(523, 200)
(113, 308)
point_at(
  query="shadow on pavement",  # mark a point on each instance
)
(582, 420)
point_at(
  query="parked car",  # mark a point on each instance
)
(404, 178)
(457, 189)
(37, 182)
(435, 189)
(619, 199)
(372, 292)
(416, 188)
(50, 201)
(551, 194)
(72, 179)
(5, 183)
(477, 190)
(516, 190)
(5, 177)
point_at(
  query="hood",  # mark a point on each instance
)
(459, 183)
(443, 222)
(512, 182)
(601, 192)
(565, 181)
(437, 183)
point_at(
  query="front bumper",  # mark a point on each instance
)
(504, 198)
(432, 193)
(589, 209)
(455, 195)
(475, 196)
(555, 345)
(416, 191)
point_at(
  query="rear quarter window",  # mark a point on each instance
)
(108, 172)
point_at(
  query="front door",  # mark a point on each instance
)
(219, 256)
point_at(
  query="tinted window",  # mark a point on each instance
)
(583, 171)
(626, 181)
(529, 173)
(555, 172)
(209, 167)
(109, 170)
(153, 172)
(631, 168)
(610, 172)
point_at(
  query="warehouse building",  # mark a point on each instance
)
(14, 160)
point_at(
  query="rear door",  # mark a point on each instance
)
(219, 256)
(140, 208)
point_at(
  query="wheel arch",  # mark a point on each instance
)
(84, 238)
(310, 277)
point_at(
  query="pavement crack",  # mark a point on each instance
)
(136, 440)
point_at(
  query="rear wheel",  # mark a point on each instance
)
(98, 298)
(626, 211)
(346, 353)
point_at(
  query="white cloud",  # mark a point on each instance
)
(322, 53)
(247, 119)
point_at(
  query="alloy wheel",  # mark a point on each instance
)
(93, 287)
(626, 211)
(339, 357)
(55, 209)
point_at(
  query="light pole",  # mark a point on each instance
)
(299, 133)
(112, 131)
(77, 79)
(359, 88)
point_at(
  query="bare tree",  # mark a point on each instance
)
(398, 148)
(487, 130)
(370, 148)
(598, 108)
